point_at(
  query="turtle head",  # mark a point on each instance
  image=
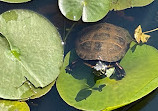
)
(100, 68)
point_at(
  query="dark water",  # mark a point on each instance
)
(129, 19)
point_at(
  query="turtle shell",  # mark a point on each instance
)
(104, 42)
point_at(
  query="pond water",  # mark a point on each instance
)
(129, 19)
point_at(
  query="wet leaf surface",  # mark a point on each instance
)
(94, 10)
(90, 10)
(31, 53)
(123, 4)
(141, 67)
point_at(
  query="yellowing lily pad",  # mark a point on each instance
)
(6, 105)
(140, 36)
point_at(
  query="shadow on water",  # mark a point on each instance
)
(80, 71)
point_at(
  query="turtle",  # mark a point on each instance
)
(104, 43)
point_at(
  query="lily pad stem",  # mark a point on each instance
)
(150, 30)
(65, 38)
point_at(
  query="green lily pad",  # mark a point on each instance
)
(6, 105)
(78, 87)
(144, 102)
(41, 91)
(94, 10)
(123, 4)
(90, 10)
(31, 50)
(15, 1)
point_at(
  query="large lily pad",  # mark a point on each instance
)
(94, 10)
(145, 103)
(79, 89)
(31, 51)
(15, 1)
(6, 105)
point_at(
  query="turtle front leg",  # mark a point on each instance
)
(120, 72)
(89, 65)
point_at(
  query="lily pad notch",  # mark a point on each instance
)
(95, 10)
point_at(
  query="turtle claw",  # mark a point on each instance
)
(120, 76)
(120, 72)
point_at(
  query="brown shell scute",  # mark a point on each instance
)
(97, 46)
(104, 42)
(101, 36)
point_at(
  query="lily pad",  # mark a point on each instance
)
(145, 103)
(123, 4)
(90, 10)
(42, 91)
(6, 105)
(94, 10)
(31, 51)
(141, 67)
(15, 1)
